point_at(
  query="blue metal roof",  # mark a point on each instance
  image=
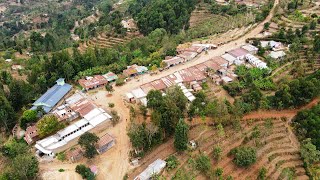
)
(52, 97)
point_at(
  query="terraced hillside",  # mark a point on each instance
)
(277, 151)
(104, 41)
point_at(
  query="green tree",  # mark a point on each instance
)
(262, 174)
(48, 125)
(12, 148)
(203, 164)
(217, 152)
(88, 141)
(309, 152)
(7, 114)
(176, 95)
(85, 172)
(154, 99)
(218, 173)
(245, 156)
(24, 166)
(109, 88)
(181, 136)
(28, 116)
(172, 162)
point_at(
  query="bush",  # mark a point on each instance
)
(61, 156)
(61, 170)
(217, 153)
(172, 162)
(111, 105)
(244, 156)
(203, 163)
(85, 172)
(119, 82)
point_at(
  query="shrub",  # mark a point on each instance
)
(61, 170)
(119, 82)
(61, 156)
(217, 153)
(262, 174)
(85, 172)
(245, 156)
(111, 105)
(172, 162)
(203, 163)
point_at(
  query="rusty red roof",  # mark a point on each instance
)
(158, 84)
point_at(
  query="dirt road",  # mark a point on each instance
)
(115, 163)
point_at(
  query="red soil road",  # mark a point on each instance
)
(278, 114)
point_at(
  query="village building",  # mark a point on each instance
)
(277, 55)
(275, 46)
(146, 88)
(220, 61)
(169, 81)
(187, 56)
(94, 169)
(198, 75)
(154, 168)
(186, 92)
(93, 82)
(231, 60)
(185, 75)
(172, 61)
(250, 48)
(134, 70)
(158, 85)
(110, 76)
(226, 79)
(48, 100)
(196, 49)
(56, 143)
(256, 62)
(74, 155)
(130, 98)
(212, 65)
(202, 67)
(139, 96)
(238, 53)
(195, 86)
(105, 143)
(31, 135)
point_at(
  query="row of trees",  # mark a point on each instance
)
(168, 14)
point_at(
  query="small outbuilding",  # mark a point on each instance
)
(154, 168)
(105, 143)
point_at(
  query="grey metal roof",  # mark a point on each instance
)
(52, 97)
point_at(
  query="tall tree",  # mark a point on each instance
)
(181, 136)
(88, 141)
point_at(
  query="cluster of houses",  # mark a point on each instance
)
(187, 54)
(277, 49)
(92, 82)
(190, 79)
(82, 114)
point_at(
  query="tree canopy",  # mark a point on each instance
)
(181, 136)
(88, 141)
(48, 125)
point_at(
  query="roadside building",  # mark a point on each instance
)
(187, 56)
(220, 61)
(256, 62)
(238, 53)
(105, 143)
(154, 168)
(134, 70)
(49, 99)
(110, 76)
(31, 134)
(198, 75)
(130, 98)
(74, 155)
(250, 48)
(93, 82)
(212, 65)
(56, 143)
(202, 67)
(231, 60)
(158, 85)
(138, 94)
(146, 88)
(167, 81)
(278, 55)
(172, 61)
(186, 75)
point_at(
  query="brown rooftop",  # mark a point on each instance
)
(238, 52)
(198, 75)
(158, 84)
(147, 87)
(106, 139)
(212, 65)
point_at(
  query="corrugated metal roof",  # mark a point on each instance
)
(52, 97)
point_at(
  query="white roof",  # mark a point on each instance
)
(129, 95)
(277, 54)
(98, 119)
(74, 98)
(249, 47)
(138, 93)
(228, 57)
(178, 76)
(226, 79)
(144, 101)
(93, 113)
(81, 122)
(67, 130)
(43, 149)
(154, 168)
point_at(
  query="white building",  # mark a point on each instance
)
(154, 168)
(229, 58)
(55, 143)
(250, 48)
(277, 54)
(256, 62)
